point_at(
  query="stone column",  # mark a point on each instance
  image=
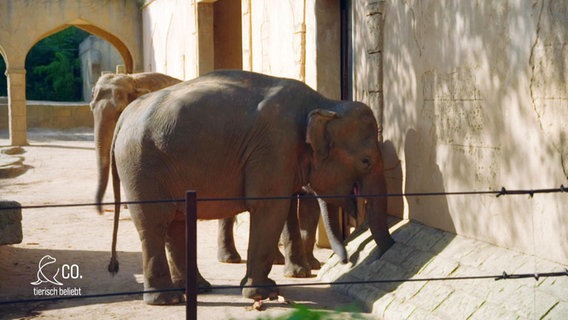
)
(17, 105)
(374, 47)
(205, 34)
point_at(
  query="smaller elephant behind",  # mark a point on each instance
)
(111, 95)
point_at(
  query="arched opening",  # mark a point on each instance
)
(3, 94)
(53, 70)
(61, 70)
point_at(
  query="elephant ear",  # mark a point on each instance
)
(137, 93)
(316, 134)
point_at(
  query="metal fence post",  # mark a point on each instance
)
(191, 255)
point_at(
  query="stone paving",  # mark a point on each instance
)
(422, 252)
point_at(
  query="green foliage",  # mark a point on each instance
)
(54, 68)
(304, 313)
(3, 79)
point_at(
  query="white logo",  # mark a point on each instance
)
(41, 278)
(49, 276)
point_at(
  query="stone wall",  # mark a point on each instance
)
(470, 95)
(476, 99)
(56, 115)
(170, 38)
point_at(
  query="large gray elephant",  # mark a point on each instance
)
(111, 94)
(235, 134)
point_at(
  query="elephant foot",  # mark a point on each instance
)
(267, 289)
(203, 286)
(292, 270)
(163, 298)
(314, 263)
(385, 244)
(226, 255)
(279, 258)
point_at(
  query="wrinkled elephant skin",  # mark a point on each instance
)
(235, 134)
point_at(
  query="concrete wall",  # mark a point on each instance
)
(170, 38)
(294, 39)
(475, 98)
(54, 115)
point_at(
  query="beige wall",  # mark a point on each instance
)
(54, 115)
(295, 39)
(169, 37)
(476, 99)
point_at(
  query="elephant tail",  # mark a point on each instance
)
(113, 264)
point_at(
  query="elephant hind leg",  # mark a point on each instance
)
(152, 222)
(176, 249)
(226, 250)
(156, 270)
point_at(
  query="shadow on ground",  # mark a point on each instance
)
(75, 270)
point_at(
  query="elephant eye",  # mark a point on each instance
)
(366, 164)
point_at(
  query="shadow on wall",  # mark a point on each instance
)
(475, 97)
(393, 175)
(421, 166)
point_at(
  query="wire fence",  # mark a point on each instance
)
(503, 276)
(498, 193)
(191, 203)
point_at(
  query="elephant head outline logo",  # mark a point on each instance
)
(41, 277)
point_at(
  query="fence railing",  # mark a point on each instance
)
(191, 201)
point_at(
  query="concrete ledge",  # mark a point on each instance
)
(46, 114)
(421, 252)
(10, 222)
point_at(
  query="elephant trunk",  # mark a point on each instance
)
(103, 141)
(331, 223)
(376, 207)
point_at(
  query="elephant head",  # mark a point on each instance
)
(110, 96)
(347, 161)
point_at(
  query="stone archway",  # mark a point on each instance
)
(116, 21)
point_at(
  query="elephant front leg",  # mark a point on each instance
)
(226, 250)
(308, 215)
(266, 223)
(296, 264)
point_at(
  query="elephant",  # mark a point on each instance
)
(110, 96)
(242, 136)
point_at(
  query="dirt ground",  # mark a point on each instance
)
(62, 170)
